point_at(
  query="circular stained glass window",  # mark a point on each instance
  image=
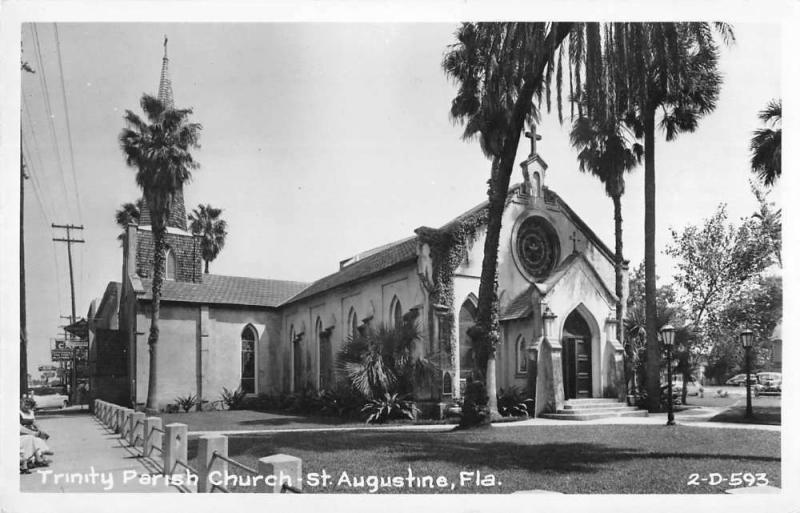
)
(537, 247)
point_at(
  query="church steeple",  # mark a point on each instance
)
(165, 84)
(533, 169)
(177, 214)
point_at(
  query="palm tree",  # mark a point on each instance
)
(669, 68)
(126, 214)
(766, 144)
(606, 151)
(205, 221)
(498, 67)
(158, 148)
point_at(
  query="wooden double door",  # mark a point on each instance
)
(576, 361)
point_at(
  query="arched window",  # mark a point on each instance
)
(522, 355)
(396, 313)
(352, 324)
(323, 339)
(466, 319)
(297, 360)
(249, 337)
(171, 265)
(447, 384)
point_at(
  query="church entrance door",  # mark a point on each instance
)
(576, 358)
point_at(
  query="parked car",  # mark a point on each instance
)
(692, 388)
(49, 397)
(740, 380)
(770, 382)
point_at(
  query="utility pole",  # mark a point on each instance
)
(70, 241)
(23, 318)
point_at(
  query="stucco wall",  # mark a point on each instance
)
(369, 298)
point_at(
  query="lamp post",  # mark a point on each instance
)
(747, 342)
(668, 336)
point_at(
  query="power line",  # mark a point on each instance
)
(34, 181)
(69, 130)
(48, 106)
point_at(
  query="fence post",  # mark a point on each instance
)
(137, 428)
(116, 418)
(285, 469)
(206, 462)
(127, 414)
(174, 445)
(151, 438)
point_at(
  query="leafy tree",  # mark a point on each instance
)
(126, 214)
(769, 221)
(205, 221)
(765, 146)
(757, 306)
(716, 259)
(159, 149)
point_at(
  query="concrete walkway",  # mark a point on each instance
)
(90, 458)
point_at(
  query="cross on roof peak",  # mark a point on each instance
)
(533, 136)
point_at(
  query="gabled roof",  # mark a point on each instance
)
(376, 260)
(582, 226)
(520, 307)
(572, 260)
(226, 290)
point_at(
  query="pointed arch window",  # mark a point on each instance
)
(249, 337)
(352, 323)
(171, 265)
(522, 355)
(396, 313)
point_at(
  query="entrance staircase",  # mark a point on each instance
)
(591, 409)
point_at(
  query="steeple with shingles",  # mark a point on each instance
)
(165, 84)
(177, 214)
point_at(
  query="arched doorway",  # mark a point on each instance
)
(466, 356)
(576, 357)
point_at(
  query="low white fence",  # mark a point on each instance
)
(279, 473)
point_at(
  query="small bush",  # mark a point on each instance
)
(342, 402)
(233, 399)
(186, 402)
(514, 403)
(389, 407)
(474, 410)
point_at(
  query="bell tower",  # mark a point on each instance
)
(534, 169)
(183, 249)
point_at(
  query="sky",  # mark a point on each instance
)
(319, 140)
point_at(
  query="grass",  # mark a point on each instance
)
(569, 459)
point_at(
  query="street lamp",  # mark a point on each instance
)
(747, 342)
(668, 336)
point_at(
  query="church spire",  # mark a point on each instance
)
(165, 84)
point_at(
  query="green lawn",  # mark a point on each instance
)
(569, 459)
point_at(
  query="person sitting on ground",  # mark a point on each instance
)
(32, 450)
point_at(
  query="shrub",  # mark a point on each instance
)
(342, 402)
(514, 403)
(186, 402)
(233, 399)
(307, 401)
(385, 361)
(474, 410)
(389, 407)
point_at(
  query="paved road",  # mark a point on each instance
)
(89, 458)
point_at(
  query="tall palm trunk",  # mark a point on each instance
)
(653, 354)
(152, 340)
(617, 199)
(488, 320)
(487, 324)
(206, 267)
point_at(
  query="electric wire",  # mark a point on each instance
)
(48, 108)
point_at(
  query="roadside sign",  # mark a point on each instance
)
(61, 355)
(47, 368)
(78, 343)
(61, 344)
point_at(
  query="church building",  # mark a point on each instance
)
(555, 286)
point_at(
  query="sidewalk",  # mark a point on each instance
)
(90, 458)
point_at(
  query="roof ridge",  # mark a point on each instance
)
(252, 278)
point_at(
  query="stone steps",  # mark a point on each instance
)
(592, 409)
